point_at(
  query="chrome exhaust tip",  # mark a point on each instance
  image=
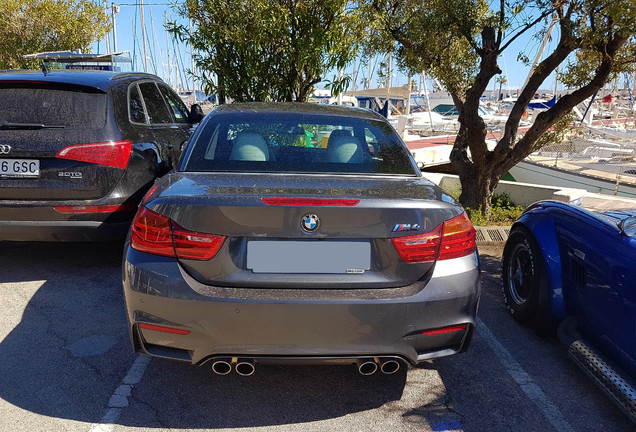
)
(222, 366)
(367, 366)
(245, 367)
(389, 367)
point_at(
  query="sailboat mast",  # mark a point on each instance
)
(194, 88)
(537, 59)
(165, 15)
(156, 46)
(143, 34)
(428, 101)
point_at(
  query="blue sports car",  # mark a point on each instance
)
(567, 267)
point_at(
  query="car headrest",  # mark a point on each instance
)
(338, 133)
(345, 149)
(249, 146)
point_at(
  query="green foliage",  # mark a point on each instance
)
(267, 49)
(338, 85)
(430, 36)
(31, 26)
(460, 42)
(502, 212)
(557, 133)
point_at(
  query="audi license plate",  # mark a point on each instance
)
(19, 168)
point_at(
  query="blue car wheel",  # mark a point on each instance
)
(524, 283)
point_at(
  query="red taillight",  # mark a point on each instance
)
(114, 153)
(420, 247)
(444, 330)
(314, 202)
(163, 329)
(193, 245)
(452, 239)
(156, 234)
(459, 238)
(94, 208)
(150, 233)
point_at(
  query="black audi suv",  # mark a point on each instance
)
(79, 149)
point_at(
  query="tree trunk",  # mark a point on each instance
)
(476, 191)
(479, 172)
(475, 171)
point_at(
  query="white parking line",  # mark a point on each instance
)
(119, 400)
(534, 393)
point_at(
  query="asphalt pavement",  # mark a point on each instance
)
(66, 365)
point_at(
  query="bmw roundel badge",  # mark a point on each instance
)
(310, 223)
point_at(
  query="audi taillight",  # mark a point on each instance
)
(95, 208)
(159, 235)
(452, 239)
(113, 153)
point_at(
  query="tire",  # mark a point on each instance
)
(525, 285)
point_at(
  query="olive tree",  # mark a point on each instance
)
(31, 26)
(459, 42)
(267, 49)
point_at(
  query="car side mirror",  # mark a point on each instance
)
(196, 114)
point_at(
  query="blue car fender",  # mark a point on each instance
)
(542, 227)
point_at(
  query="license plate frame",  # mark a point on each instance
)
(20, 168)
(308, 257)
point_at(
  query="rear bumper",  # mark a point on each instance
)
(41, 221)
(62, 230)
(293, 326)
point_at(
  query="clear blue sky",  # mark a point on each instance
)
(155, 13)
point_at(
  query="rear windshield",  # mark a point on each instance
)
(68, 107)
(283, 142)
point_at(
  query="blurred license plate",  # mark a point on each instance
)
(20, 167)
(308, 256)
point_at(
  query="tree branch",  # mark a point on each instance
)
(526, 28)
(564, 105)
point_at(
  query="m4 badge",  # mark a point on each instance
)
(406, 227)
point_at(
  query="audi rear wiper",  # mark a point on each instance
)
(10, 125)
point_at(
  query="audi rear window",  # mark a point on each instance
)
(269, 142)
(53, 106)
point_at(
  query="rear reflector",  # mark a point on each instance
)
(114, 153)
(453, 239)
(95, 209)
(163, 329)
(156, 234)
(451, 329)
(314, 202)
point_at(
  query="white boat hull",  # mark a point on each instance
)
(529, 172)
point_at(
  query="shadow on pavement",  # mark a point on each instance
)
(65, 349)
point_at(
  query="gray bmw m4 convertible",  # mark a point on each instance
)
(298, 233)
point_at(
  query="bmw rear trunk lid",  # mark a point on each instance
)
(282, 227)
